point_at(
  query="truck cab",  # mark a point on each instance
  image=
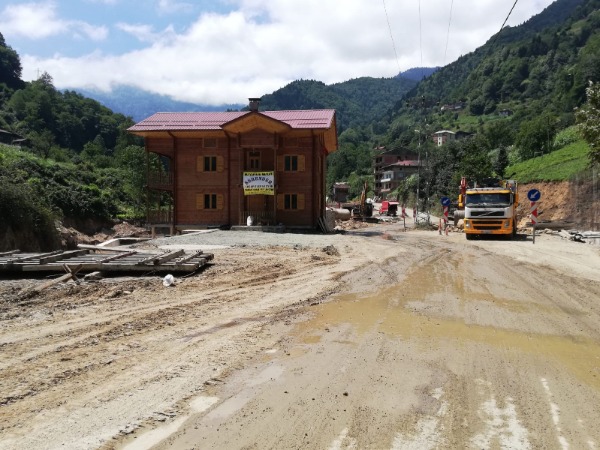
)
(491, 210)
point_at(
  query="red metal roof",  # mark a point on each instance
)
(165, 121)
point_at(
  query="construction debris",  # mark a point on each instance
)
(91, 258)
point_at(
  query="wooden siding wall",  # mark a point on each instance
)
(300, 182)
(192, 184)
(160, 146)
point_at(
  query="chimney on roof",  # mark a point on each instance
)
(253, 105)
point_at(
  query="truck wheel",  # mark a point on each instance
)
(514, 232)
(469, 237)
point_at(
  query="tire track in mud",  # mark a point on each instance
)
(444, 348)
(64, 353)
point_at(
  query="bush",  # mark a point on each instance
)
(566, 137)
(23, 213)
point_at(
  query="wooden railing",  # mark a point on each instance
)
(164, 216)
(160, 180)
(260, 217)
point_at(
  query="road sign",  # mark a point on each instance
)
(445, 201)
(534, 195)
(534, 213)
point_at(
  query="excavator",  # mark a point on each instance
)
(363, 209)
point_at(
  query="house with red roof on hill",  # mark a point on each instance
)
(222, 169)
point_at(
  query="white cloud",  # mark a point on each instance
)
(265, 44)
(146, 33)
(173, 6)
(32, 20)
(39, 21)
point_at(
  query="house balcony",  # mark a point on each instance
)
(160, 180)
(160, 216)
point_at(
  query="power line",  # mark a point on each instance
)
(392, 37)
(421, 42)
(448, 35)
(505, 20)
(509, 13)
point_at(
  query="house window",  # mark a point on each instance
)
(254, 160)
(291, 201)
(210, 201)
(210, 163)
(291, 163)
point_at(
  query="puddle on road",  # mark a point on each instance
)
(388, 311)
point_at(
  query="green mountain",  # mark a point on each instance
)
(358, 102)
(540, 67)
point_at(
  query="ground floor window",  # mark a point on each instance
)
(209, 201)
(290, 202)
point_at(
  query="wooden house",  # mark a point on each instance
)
(210, 169)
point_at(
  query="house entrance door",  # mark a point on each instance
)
(261, 209)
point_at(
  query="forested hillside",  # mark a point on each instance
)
(358, 102)
(62, 157)
(515, 94)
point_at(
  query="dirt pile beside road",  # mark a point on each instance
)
(573, 202)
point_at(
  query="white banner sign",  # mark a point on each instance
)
(256, 183)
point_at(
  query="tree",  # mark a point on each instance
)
(475, 163)
(500, 133)
(501, 162)
(10, 66)
(588, 116)
(131, 160)
(536, 136)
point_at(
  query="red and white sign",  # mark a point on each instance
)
(445, 214)
(534, 213)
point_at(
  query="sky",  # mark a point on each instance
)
(224, 51)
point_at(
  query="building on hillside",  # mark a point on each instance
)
(443, 136)
(10, 138)
(390, 167)
(220, 169)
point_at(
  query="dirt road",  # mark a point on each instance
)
(377, 339)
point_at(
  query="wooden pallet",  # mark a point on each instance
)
(104, 259)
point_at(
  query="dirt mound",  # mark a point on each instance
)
(70, 237)
(572, 202)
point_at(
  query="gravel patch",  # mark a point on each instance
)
(231, 238)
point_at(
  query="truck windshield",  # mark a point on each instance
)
(488, 199)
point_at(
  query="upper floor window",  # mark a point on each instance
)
(209, 163)
(254, 160)
(291, 163)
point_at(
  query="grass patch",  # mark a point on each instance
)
(559, 165)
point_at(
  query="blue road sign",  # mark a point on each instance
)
(445, 201)
(534, 195)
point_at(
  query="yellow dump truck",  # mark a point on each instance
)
(489, 209)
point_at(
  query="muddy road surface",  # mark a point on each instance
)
(378, 339)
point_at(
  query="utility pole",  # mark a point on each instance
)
(418, 175)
